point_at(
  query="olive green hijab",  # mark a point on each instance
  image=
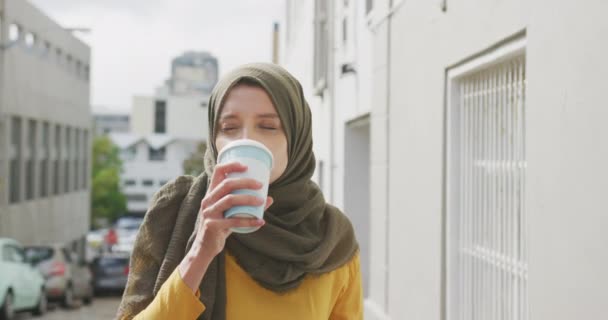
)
(303, 235)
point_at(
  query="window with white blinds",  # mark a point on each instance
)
(487, 257)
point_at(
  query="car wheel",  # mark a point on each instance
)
(7, 311)
(68, 297)
(42, 306)
(88, 299)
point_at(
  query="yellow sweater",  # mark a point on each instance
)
(335, 295)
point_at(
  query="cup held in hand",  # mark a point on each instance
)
(258, 160)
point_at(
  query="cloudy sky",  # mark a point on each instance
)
(133, 41)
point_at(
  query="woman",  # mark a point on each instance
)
(303, 262)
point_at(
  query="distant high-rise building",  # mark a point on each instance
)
(193, 73)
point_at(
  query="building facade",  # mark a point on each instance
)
(149, 162)
(107, 121)
(483, 140)
(45, 128)
(166, 129)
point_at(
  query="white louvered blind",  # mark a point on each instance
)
(487, 269)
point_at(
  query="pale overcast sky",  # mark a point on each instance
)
(133, 41)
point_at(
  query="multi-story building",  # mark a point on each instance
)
(165, 129)
(193, 73)
(107, 121)
(149, 161)
(469, 136)
(45, 128)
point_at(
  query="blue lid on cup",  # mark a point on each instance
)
(247, 148)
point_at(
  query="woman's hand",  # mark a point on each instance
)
(214, 228)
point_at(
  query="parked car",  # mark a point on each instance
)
(110, 272)
(126, 229)
(22, 286)
(68, 278)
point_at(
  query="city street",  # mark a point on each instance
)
(102, 308)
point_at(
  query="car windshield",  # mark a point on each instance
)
(129, 223)
(38, 254)
(111, 261)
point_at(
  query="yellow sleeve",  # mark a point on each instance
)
(174, 300)
(350, 302)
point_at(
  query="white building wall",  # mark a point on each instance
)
(187, 117)
(566, 148)
(142, 115)
(141, 168)
(38, 84)
(567, 155)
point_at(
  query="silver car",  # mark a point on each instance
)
(68, 278)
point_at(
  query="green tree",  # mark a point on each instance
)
(195, 164)
(108, 201)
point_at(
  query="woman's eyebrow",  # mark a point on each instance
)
(228, 116)
(268, 115)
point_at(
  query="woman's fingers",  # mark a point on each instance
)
(217, 209)
(227, 186)
(269, 202)
(222, 170)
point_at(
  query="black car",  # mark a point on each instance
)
(110, 273)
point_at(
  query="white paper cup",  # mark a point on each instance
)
(259, 161)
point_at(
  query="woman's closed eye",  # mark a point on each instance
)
(228, 128)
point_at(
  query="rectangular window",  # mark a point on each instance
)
(486, 240)
(66, 160)
(57, 162)
(44, 161)
(30, 176)
(148, 183)
(157, 154)
(76, 158)
(160, 113)
(320, 174)
(85, 160)
(137, 197)
(369, 6)
(15, 161)
(130, 183)
(321, 46)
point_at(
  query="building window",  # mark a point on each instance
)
(30, 177)
(129, 154)
(320, 173)
(15, 161)
(138, 197)
(130, 182)
(44, 161)
(76, 158)
(57, 160)
(160, 114)
(14, 32)
(157, 154)
(66, 160)
(30, 39)
(369, 6)
(487, 255)
(148, 182)
(85, 159)
(321, 46)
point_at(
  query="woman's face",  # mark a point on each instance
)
(248, 113)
